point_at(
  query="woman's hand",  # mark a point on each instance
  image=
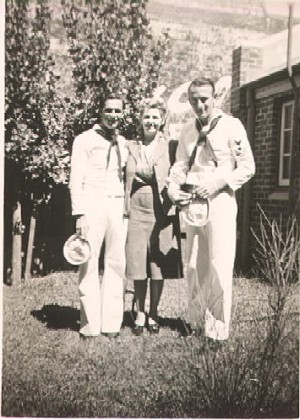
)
(177, 196)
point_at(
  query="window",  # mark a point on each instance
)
(285, 143)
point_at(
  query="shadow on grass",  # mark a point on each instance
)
(175, 324)
(58, 317)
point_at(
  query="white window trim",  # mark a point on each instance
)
(283, 182)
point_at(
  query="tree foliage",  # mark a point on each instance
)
(33, 112)
(113, 51)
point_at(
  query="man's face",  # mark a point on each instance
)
(202, 101)
(112, 113)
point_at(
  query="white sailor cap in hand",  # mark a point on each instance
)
(77, 250)
(196, 212)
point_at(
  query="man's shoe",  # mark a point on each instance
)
(138, 329)
(86, 337)
(214, 345)
(111, 335)
(196, 332)
(192, 332)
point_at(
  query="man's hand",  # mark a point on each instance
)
(208, 187)
(178, 197)
(81, 225)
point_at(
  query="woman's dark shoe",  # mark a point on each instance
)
(138, 330)
(153, 328)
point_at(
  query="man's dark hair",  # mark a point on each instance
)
(111, 96)
(202, 81)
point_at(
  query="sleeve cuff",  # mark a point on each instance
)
(78, 213)
(231, 185)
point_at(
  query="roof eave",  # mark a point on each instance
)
(271, 78)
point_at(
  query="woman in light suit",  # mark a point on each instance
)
(153, 240)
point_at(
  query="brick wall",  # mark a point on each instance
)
(265, 143)
(243, 60)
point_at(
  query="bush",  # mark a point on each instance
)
(33, 111)
(250, 375)
(277, 251)
(113, 50)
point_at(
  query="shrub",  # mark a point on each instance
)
(255, 374)
(33, 111)
(277, 251)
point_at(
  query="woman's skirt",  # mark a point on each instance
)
(153, 240)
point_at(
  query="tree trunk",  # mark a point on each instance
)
(27, 274)
(16, 276)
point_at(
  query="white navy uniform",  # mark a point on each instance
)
(210, 249)
(97, 191)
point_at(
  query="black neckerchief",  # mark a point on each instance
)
(106, 133)
(202, 138)
(112, 137)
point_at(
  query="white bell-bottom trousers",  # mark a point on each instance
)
(210, 254)
(101, 304)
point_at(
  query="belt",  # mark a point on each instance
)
(115, 196)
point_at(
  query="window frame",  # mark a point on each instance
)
(284, 182)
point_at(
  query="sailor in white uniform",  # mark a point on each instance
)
(98, 159)
(213, 154)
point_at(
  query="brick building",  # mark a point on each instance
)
(265, 96)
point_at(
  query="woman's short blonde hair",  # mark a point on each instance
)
(156, 103)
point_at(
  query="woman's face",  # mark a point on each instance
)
(151, 121)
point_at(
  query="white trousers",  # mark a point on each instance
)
(101, 305)
(210, 254)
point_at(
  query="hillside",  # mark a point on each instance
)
(202, 33)
(217, 13)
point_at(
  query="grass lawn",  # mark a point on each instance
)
(48, 372)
